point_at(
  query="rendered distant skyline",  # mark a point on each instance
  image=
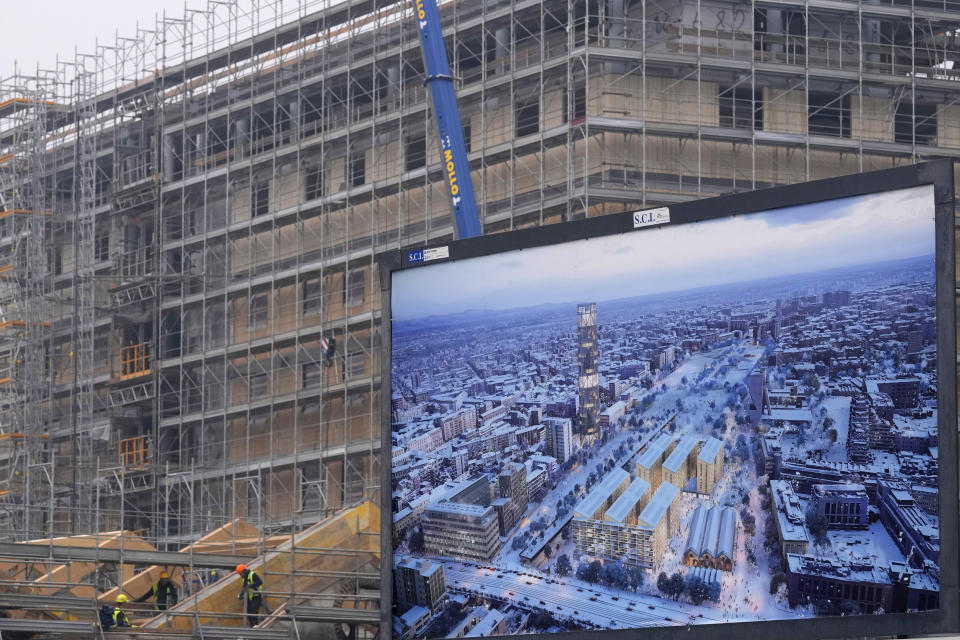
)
(839, 233)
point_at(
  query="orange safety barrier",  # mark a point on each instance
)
(132, 451)
(135, 361)
(23, 212)
(11, 105)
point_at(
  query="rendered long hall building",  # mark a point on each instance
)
(188, 214)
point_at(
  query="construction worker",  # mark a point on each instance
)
(251, 589)
(120, 618)
(164, 592)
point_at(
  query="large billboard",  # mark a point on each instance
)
(730, 411)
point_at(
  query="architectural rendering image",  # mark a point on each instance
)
(724, 421)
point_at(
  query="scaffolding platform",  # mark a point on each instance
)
(43, 602)
(46, 626)
(335, 615)
(232, 633)
(64, 553)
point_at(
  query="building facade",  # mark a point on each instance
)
(514, 496)
(845, 506)
(827, 581)
(559, 437)
(788, 514)
(709, 465)
(419, 583)
(630, 524)
(460, 530)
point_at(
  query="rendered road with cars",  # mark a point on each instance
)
(571, 598)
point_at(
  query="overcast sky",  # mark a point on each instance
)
(35, 32)
(874, 228)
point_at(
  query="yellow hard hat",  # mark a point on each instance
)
(164, 575)
(122, 599)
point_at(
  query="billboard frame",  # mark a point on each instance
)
(938, 173)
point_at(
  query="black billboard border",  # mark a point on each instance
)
(939, 173)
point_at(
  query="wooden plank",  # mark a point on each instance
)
(139, 585)
(28, 570)
(284, 570)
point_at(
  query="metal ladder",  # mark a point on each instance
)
(133, 293)
(129, 395)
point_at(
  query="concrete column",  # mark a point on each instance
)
(871, 37)
(294, 109)
(502, 45)
(169, 158)
(775, 29)
(130, 168)
(616, 21)
(393, 79)
(242, 131)
(392, 93)
(200, 146)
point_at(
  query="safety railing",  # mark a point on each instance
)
(135, 361)
(132, 452)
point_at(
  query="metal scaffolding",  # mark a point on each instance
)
(83, 341)
(189, 211)
(27, 208)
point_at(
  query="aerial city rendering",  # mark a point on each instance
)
(726, 421)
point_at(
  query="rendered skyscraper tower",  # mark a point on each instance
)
(588, 356)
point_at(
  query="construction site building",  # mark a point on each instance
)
(187, 213)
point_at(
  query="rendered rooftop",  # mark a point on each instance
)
(680, 453)
(658, 505)
(601, 492)
(623, 505)
(710, 449)
(655, 450)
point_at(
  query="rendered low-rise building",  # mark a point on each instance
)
(419, 582)
(559, 438)
(819, 580)
(912, 529)
(845, 506)
(460, 530)
(789, 518)
(905, 392)
(493, 623)
(711, 539)
(634, 529)
(611, 414)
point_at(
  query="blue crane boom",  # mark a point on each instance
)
(453, 150)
